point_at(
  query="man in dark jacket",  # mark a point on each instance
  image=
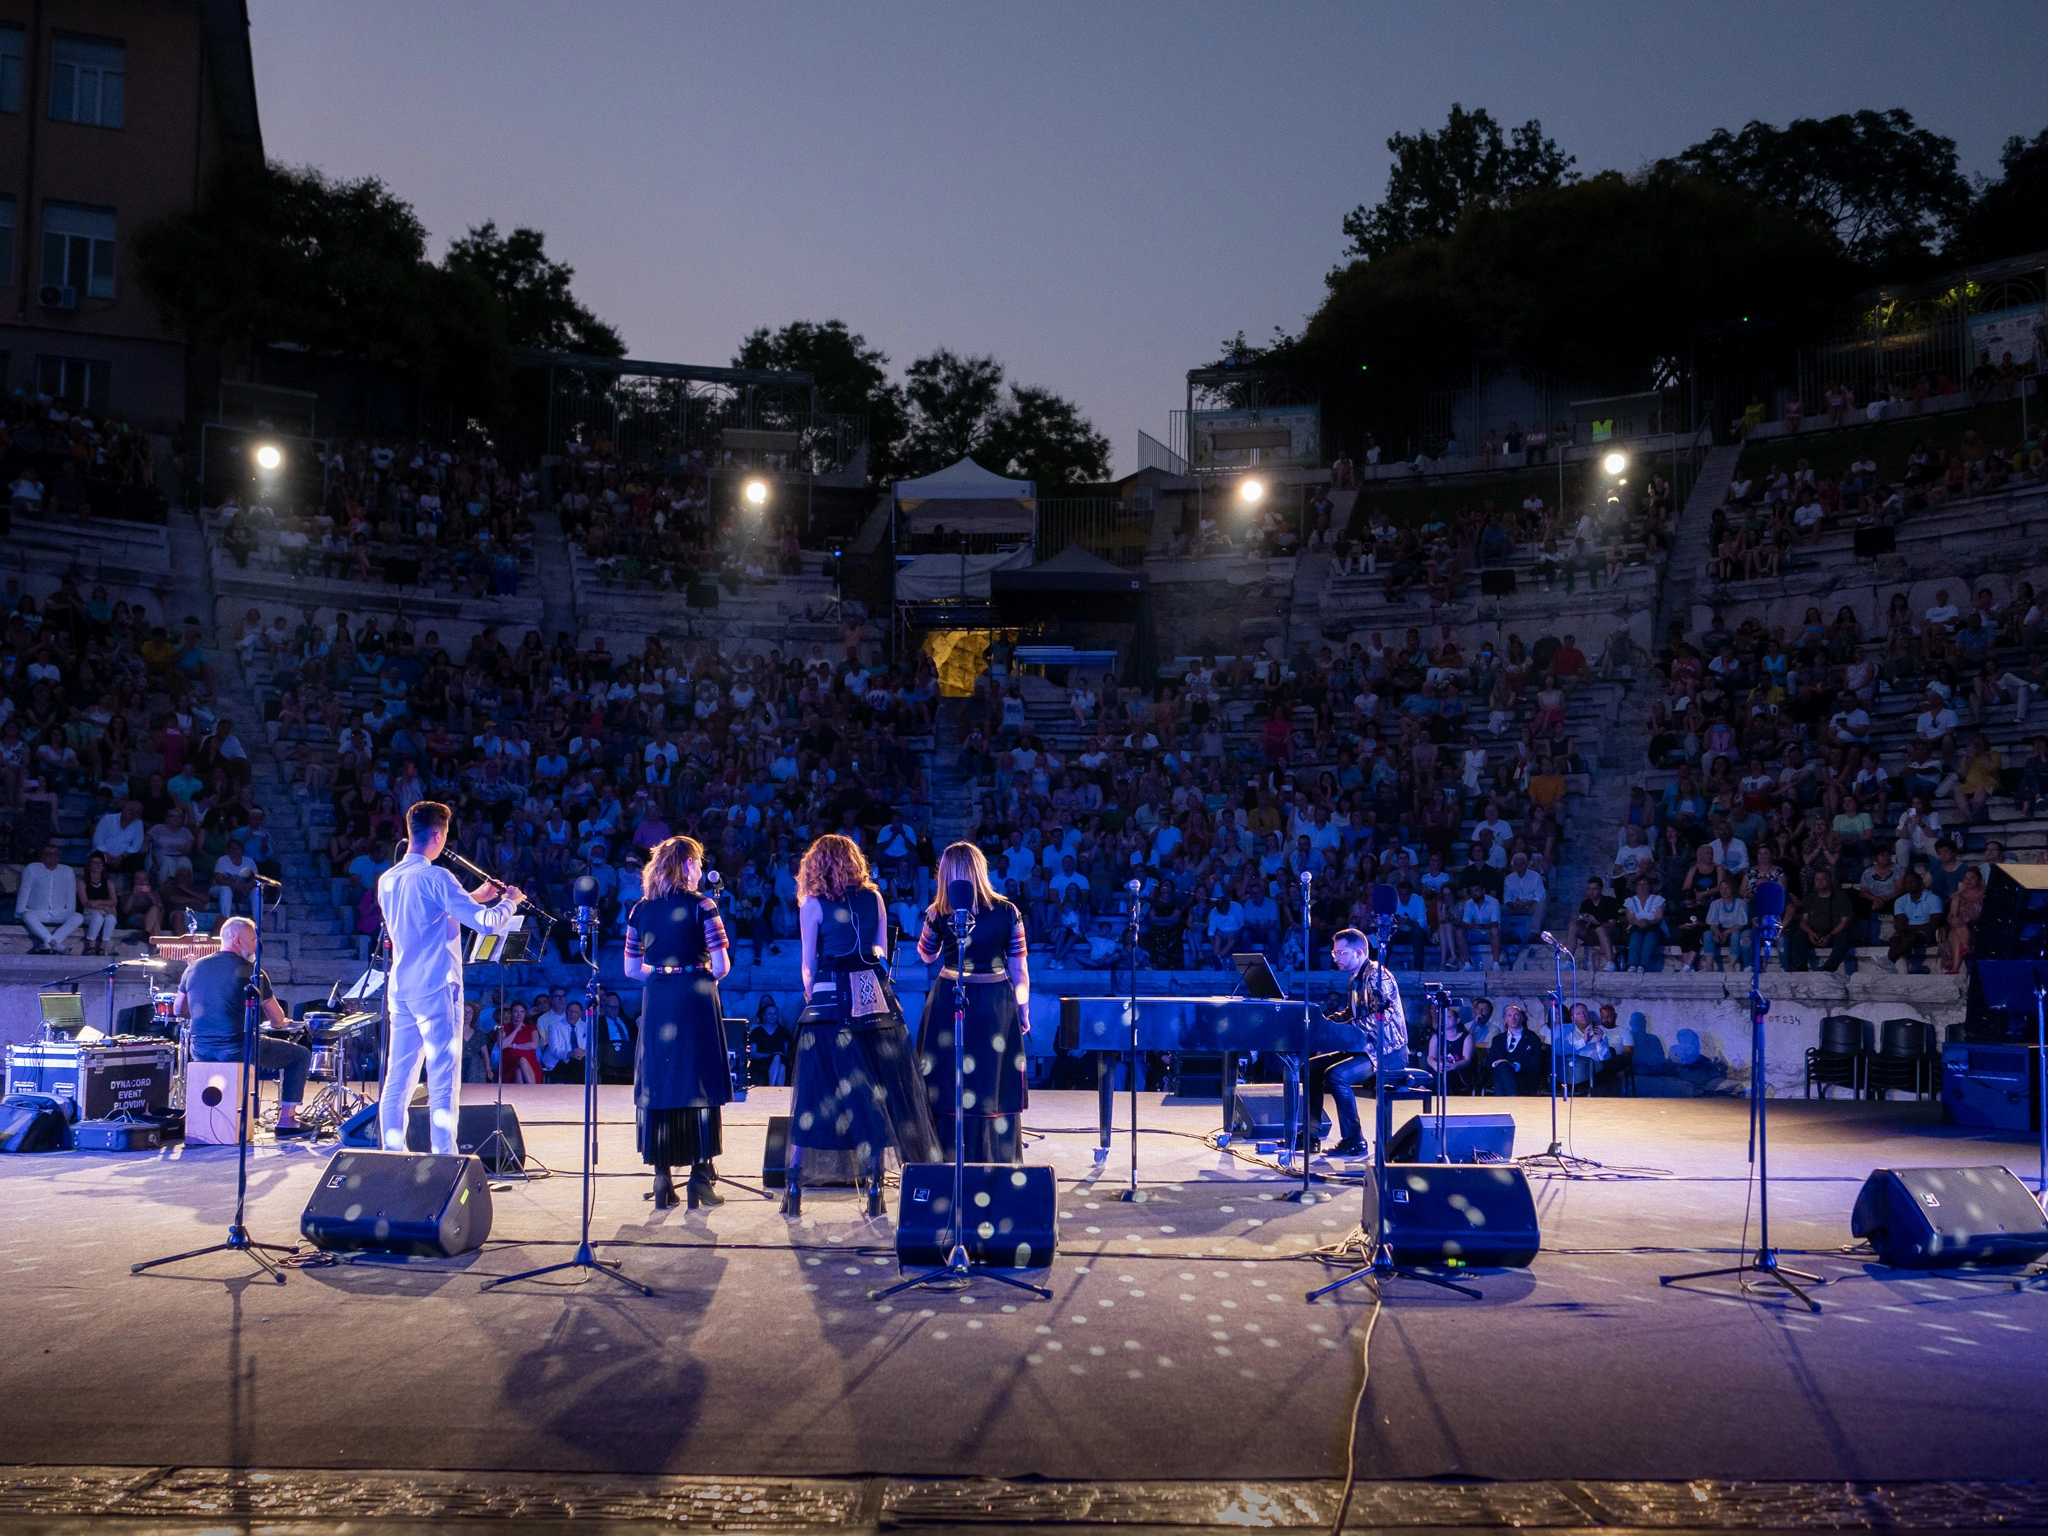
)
(1516, 1058)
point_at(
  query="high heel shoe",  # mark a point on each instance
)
(877, 1197)
(665, 1191)
(703, 1186)
(793, 1197)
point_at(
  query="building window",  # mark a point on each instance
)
(13, 51)
(85, 82)
(78, 249)
(80, 382)
(6, 242)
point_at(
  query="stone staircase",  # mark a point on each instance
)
(953, 802)
(1305, 598)
(1624, 744)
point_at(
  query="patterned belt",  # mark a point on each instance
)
(949, 974)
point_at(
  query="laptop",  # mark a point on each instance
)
(63, 1012)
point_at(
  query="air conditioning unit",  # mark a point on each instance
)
(57, 296)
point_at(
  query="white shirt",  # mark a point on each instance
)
(113, 839)
(47, 890)
(425, 908)
(1525, 885)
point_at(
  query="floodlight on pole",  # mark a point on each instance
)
(1615, 462)
(756, 493)
(1252, 491)
(269, 457)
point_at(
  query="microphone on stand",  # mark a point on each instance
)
(960, 901)
(1386, 902)
(1551, 940)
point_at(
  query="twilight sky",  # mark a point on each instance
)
(1097, 194)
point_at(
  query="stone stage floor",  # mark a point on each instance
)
(1177, 1345)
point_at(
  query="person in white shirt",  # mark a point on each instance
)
(121, 836)
(47, 902)
(234, 875)
(1524, 892)
(1480, 911)
(425, 910)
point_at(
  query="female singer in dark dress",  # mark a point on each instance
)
(998, 983)
(675, 943)
(858, 1098)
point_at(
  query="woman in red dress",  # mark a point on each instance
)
(518, 1047)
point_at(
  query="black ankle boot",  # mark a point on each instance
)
(664, 1190)
(793, 1193)
(877, 1197)
(703, 1186)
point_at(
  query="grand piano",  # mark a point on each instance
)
(1230, 1027)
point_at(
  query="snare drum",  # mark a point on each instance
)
(163, 1014)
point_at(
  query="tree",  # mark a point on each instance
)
(533, 291)
(953, 404)
(2010, 216)
(281, 254)
(1040, 436)
(851, 378)
(962, 406)
(1888, 191)
(1437, 177)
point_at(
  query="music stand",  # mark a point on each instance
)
(513, 947)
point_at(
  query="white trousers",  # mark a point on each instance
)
(429, 1028)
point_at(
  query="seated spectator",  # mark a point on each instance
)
(47, 902)
(1916, 912)
(1517, 1058)
(1727, 926)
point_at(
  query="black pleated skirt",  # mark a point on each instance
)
(676, 1138)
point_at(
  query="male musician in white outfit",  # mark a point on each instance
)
(425, 909)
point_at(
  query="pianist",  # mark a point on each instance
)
(1370, 998)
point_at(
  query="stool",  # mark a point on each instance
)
(212, 1103)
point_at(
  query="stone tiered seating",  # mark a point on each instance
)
(781, 610)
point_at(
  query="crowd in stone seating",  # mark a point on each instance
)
(1439, 554)
(105, 713)
(565, 766)
(410, 513)
(1766, 517)
(64, 462)
(656, 528)
(1357, 766)
(1781, 774)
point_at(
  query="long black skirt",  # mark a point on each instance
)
(992, 1093)
(858, 1100)
(676, 1138)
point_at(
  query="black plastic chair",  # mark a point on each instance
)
(1839, 1060)
(1904, 1059)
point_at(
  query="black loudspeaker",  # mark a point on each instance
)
(1467, 1139)
(2014, 922)
(1012, 1220)
(476, 1134)
(839, 1173)
(399, 1202)
(1499, 583)
(1933, 1218)
(1481, 1215)
(1258, 1112)
(1992, 1087)
(1872, 542)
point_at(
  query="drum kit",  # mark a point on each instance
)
(339, 1043)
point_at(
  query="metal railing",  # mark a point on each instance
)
(1116, 531)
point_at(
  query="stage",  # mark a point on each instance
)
(1177, 1345)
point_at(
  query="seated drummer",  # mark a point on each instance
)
(1370, 994)
(211, 997)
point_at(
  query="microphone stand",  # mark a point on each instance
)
(2040, 1104)
(1764, 1262)
(584, 1257)
(238, 1239)
(1555, 1155)
(1304, 1069)
(959, 1270)
(1136, 889)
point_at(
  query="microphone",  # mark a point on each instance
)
(586, 922)
(1386, 901)
(1134, 886)
(960, 904)
(1770, 901)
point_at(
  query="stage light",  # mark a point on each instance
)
(268, 457)
(756, 493)
(1251, 492)
(1614, 463)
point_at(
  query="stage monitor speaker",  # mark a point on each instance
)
(1993, 1087)
(400, 1202)
(1258, 1112)
(1482, 1215)
(1467, 1139)
(1012, 1220)
(1498, 583)
(476, 1134)
(1872, 542)
(1935, 1218)
(830, 1172)
(2014, 922)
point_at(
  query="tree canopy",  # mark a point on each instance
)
(2010, 217)
(1438, 177)
(287, 255)
(532, 291)
(1888, 191)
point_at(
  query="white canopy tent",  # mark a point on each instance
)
(966, 498)
(935, 578)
